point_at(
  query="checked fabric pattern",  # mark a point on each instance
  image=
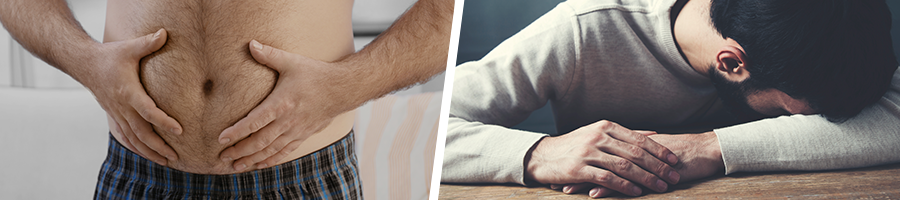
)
(330, 173)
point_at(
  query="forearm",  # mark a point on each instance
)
(517, 77)
(813, 143)
(412, 50)
(48, 30)
(809, 143)
(481, 153)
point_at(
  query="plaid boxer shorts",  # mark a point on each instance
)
(330, 173)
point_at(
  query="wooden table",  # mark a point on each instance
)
(881, 182)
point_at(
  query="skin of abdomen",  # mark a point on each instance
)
(205, 77)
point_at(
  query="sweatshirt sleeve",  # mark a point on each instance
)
(810, 142)
(499, 91)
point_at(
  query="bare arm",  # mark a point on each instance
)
(48, 30)
(412, 50)
(310, 93)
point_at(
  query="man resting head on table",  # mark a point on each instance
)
(824, 68)
(216, 89)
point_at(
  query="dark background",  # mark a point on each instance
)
(486, 23)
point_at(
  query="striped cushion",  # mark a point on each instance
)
(395, 144)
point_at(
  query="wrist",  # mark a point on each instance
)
(351, 81)
(712, 149)
(529, 166)
(82, 62)
(358, 74)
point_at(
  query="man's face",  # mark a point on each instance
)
(749, 104)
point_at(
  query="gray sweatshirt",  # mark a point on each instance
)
(616, 60)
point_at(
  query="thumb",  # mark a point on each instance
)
(148, 44)
(274, 58)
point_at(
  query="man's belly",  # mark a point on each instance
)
(205, 77)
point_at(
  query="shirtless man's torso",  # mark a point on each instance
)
(205, 77)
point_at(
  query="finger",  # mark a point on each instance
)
(122, 125)
(656, 149)
(556, 187)
(609, 180)
(645, 133)
(600, 191)
(281, 154)
(272, 57)
(576, 188)
(628, 170)
(261, 116)
(148, 110)
(255, 143)
(149, 138)
(274, 148)
(127, 144)
(623, 163)
(142, 149)
(640, 156)
(118, 134)
(148, 44)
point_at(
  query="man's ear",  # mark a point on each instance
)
(732, 62)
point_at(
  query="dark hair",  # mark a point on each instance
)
(835, 54)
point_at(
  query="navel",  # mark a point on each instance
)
(207, 87)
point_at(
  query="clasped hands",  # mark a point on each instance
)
(608, 158)
(304, 101)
